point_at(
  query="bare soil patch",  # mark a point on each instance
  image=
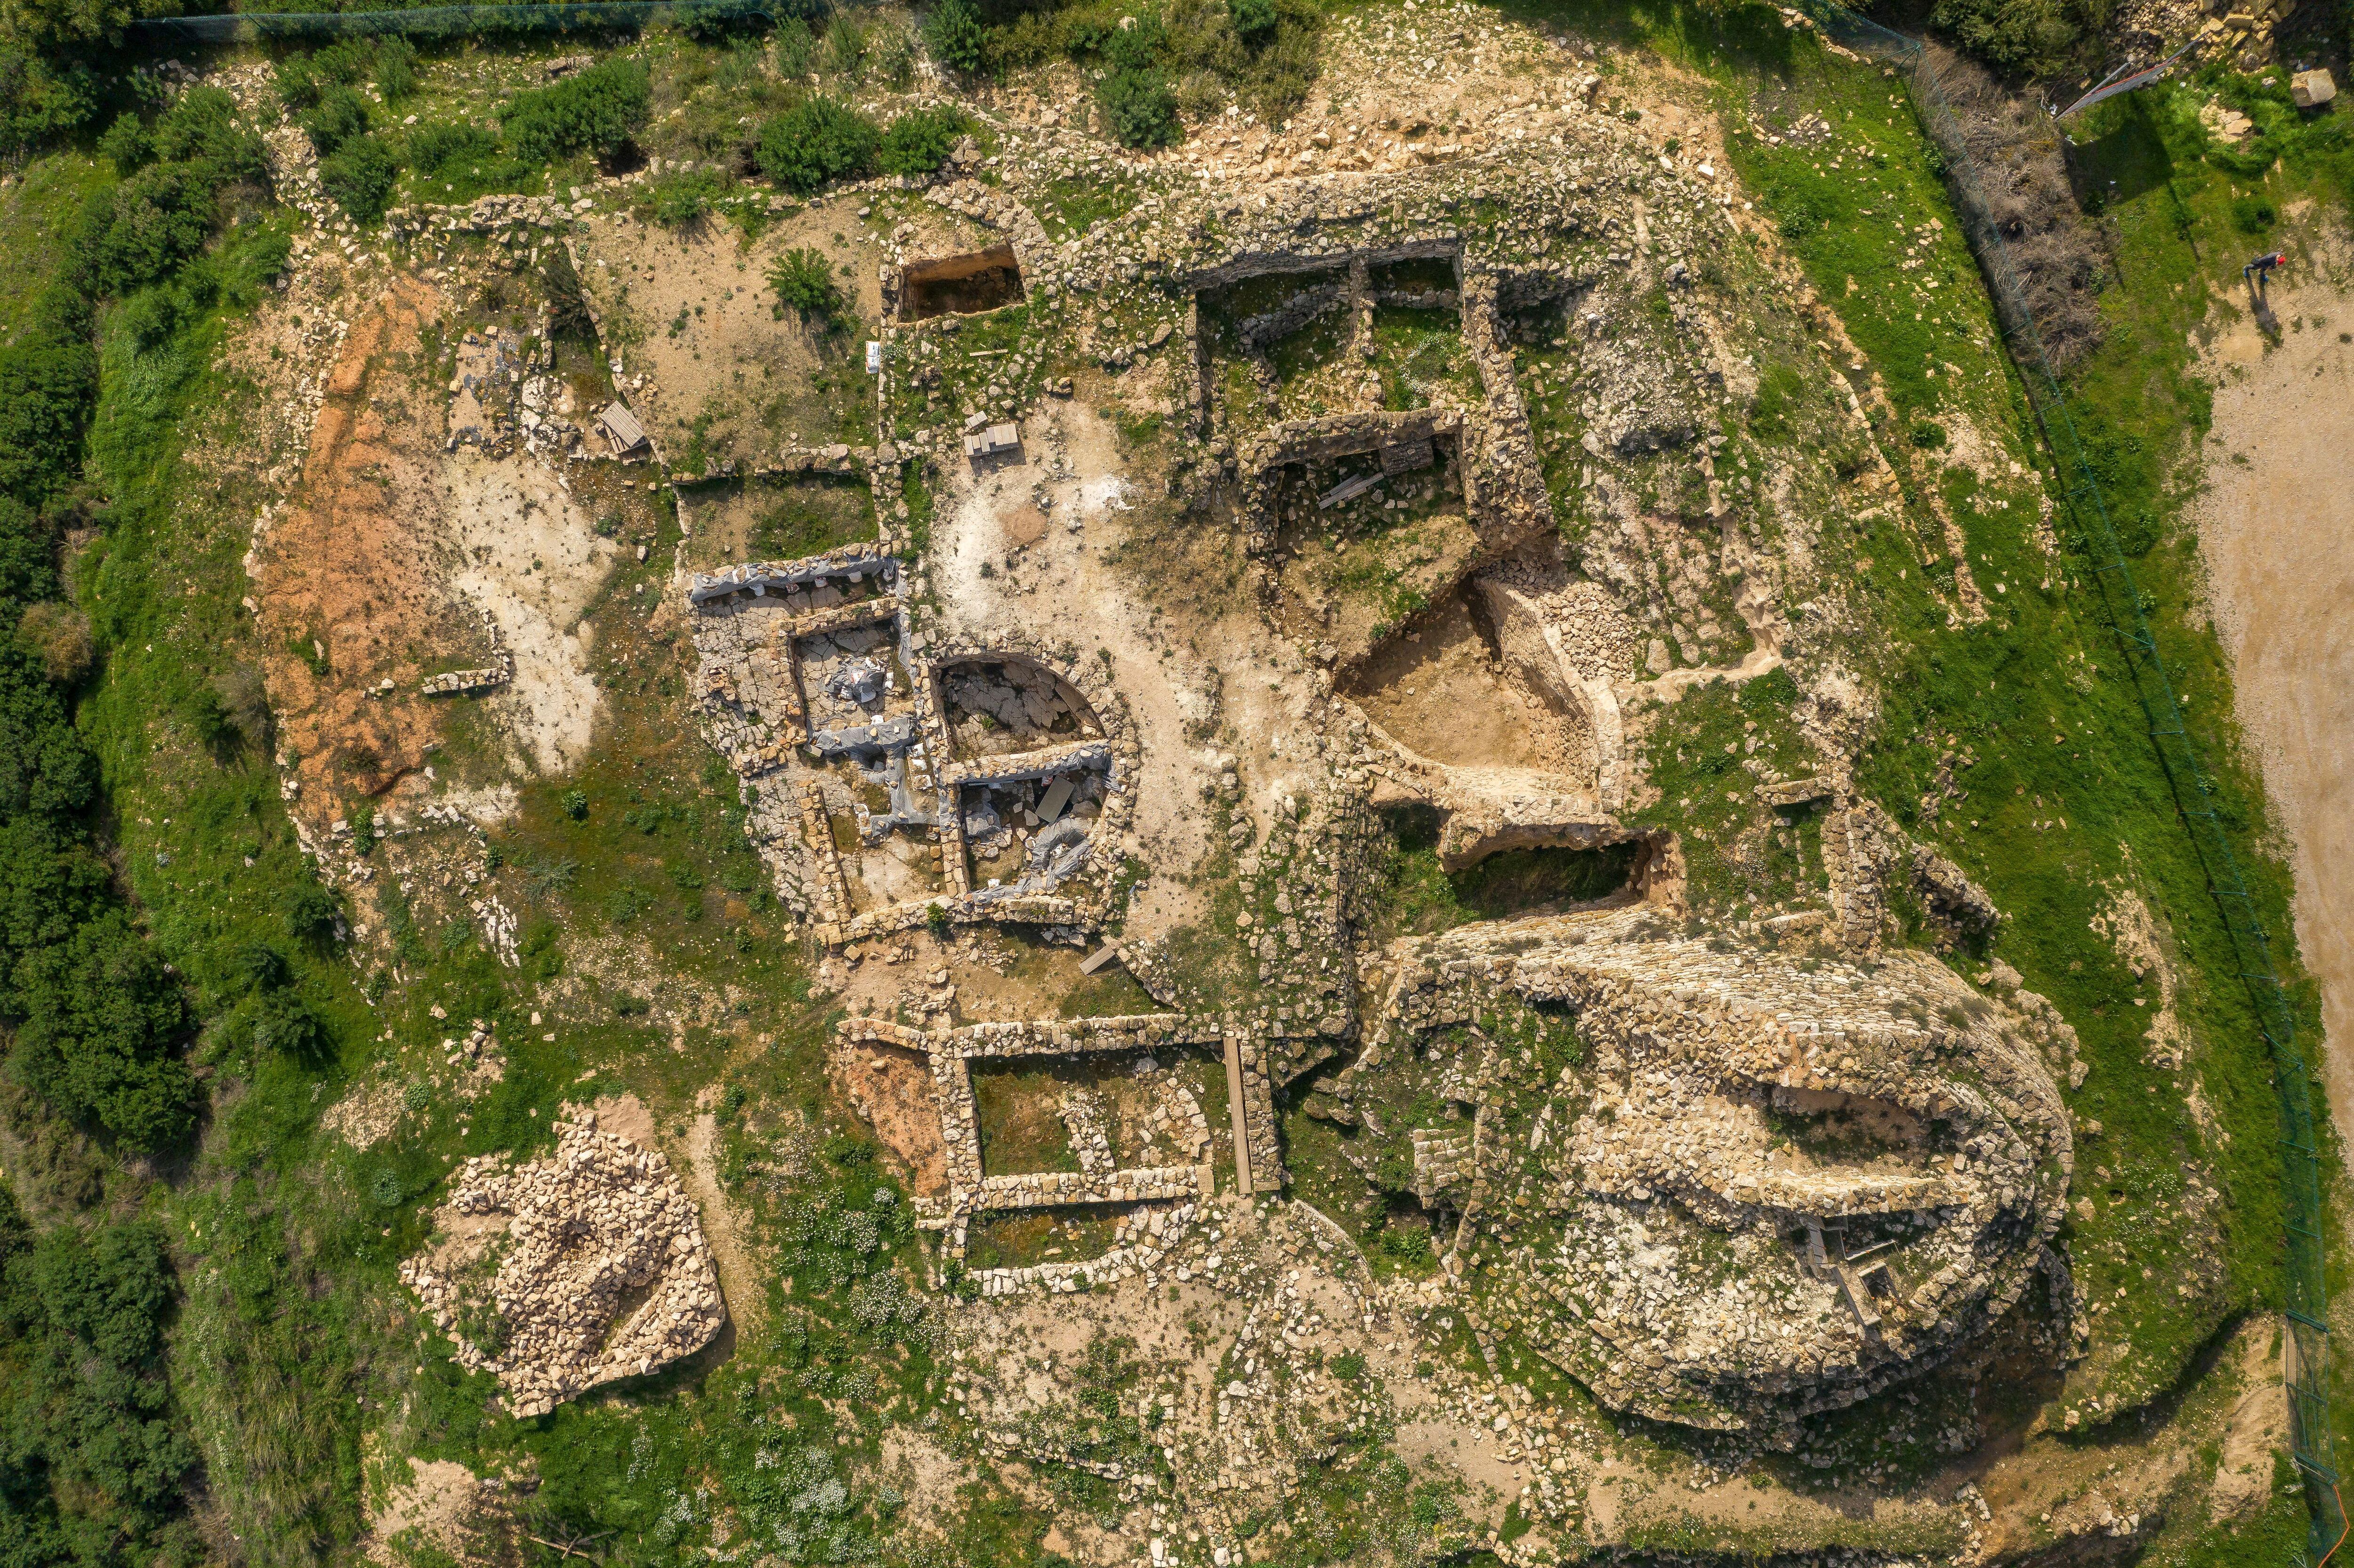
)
(2276, 528)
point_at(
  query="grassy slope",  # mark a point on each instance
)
(2035, 693)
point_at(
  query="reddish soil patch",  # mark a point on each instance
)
(892, 1088)
(350, 593)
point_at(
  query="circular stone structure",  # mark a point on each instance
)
(1719, 1186)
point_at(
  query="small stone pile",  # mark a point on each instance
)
(602, 1222)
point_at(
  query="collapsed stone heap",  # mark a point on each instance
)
(545, 1307)
(1763, 1191)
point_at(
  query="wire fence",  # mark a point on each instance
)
(2306, 1357)
(457, 21)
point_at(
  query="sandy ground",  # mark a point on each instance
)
(2277, 528)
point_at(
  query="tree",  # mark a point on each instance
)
(957, 35)
(101, 1024)
(816, 141)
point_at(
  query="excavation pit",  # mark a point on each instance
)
(970, 284)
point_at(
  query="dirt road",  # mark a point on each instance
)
(2277, 528)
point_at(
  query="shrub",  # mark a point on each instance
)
(2254, 214)
(127, 144)
(678, 199)
(201, 129)
(845, 46)
(310, 912)
(2016, 37)
(430, 148)
(919, 142)
(1142, 110)
(396, 68)
(713, 21)
(58, 635)
(39, 101)
(297, 83)
(101, 1020)
(360, 176)
(816, 140)
(958, 37)
(1254, 20)
(804, 283)
(596, 112)
(338, 116)
(576, 805)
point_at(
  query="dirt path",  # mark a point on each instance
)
(2277, 528)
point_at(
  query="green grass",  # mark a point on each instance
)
(37, 213)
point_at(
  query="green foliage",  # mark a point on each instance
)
(804, 283)
(430, 148)
(360, 175)
(1141, 109)
(43, 24)
(714, 21)
(340, 114)
(127, 144)
(576, 805)
(101, 1020)
(919, 140)
(396, 67)
(957, 35)
(1254, 20)
(680, 198)
(2254, 214)
(594, 112)
(2018, 37)
(95, 1459)
(40, 102)
(816, 141)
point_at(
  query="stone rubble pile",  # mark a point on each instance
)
(600, 1224)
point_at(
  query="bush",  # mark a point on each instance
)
(310, 912)
(804, 283)
(957, 35)
(201, 129)
(429, 149)
(2016, 37)
(919, 142)
(1254, 20)
(677, 199)
(127, 144)
(396, 68)
(58, 635)
(101, 1024)
(338, 116)
(2254, 214)
(713, 21)
(297, 83)
(39, 102)
(595, 112)
(360, 178)
(816, 141)
(1142, 110)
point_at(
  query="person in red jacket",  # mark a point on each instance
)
(2261, 269)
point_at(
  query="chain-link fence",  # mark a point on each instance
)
(2307, 1356)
